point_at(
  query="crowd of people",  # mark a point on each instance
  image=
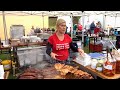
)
(92, 28)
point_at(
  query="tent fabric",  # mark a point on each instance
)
(62, 13)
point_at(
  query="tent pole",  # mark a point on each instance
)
(43, 19)
(5, 29)
(71, 25)
(115, 20)
(104, 22)
(83, 30)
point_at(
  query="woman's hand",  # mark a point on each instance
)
(82, 53)
(53, 55)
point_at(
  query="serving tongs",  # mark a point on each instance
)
(114, 47)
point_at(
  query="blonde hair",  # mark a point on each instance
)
(59, 21)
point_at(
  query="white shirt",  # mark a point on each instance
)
(87, 26)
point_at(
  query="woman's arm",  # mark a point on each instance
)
(49, 51)
(75, 48)
(49, 48)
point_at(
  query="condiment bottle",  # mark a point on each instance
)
(117, 57)
(109, 68)
(99, 67)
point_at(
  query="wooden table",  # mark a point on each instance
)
(20, 44)
(96, 73)
(5, 48)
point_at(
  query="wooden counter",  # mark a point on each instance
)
(1, 48)
(16, 44)
(5, 48)
(99, 74)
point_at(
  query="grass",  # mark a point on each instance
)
(86, 49)
(4, 56)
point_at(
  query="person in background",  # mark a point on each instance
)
(53, 30)
(66, 30)
(41, 31)
(99, 24)
(48, 30)
(75, 29)
(37, 30)
(87, 26)
(98, 28)
(108, 29)
(59, 44)
(80, 27)
(92, 27)
(31, 31)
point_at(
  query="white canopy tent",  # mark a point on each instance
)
(88, 14)
(65, 13)
(111, 16)
(43, 13)
(39, 13)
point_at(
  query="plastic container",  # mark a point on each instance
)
(96, 48)
(94, 63)
(6, 64)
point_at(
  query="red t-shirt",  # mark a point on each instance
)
(80, 27)
(60, 47)
(96, 30)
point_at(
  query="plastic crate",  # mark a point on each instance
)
(96, 48)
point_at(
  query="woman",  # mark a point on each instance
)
(59, 44)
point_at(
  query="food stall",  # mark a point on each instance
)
(105, 66)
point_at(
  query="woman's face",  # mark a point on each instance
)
(62, 28)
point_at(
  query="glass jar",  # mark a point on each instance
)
(109, 68)
(99, 67)
(117, 57)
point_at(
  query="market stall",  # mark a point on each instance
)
(105, 66)
(98, 74)
(27, 51)
(17, 47)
